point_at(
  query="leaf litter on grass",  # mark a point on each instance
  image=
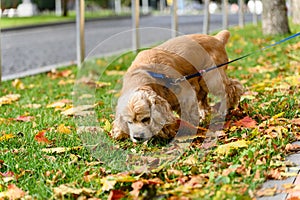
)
(251, 148)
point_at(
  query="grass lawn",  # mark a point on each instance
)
(43, 157)
(51, 18)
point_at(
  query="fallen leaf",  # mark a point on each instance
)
(4, 121)
(34, 106)
(293, 198)
(7, 176)
(246, 122)
(266, 192)
(65, 82)
(92, 83)
(40, 137)
(54, 74)
(5, 137)
(61, 149)
(278, 115)
(109, 182)
(274, 174)
(18, 84)
(63, 129)
(116, 195)
(107, 126)
(137, 186)
(13, 192)
(191, 160)
(115, 72)
(174, 172)
(82, 110)
(59, 104)
(225, 148)
(292, 147)
(9, 99)
(24, 118)
(62, 190)
(296, 121)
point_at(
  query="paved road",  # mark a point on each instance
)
(29, 49)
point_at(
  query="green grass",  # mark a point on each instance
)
(51, 18)
(271, 76)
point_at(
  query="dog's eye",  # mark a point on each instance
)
(146, 120)
(129, 122)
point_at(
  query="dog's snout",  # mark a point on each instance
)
(139, 137)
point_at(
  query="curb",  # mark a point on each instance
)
(68, 22)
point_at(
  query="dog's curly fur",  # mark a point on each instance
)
(146, 105)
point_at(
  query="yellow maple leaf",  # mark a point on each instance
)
(63, 129)
(61, 149)
(107, 126)
(6, 137)
(18, 84)
(225, 148)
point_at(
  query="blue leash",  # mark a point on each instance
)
(175, 81)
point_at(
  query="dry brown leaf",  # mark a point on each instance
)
(292, 147)
(137, 186)
(266, 192)
(63, 190)
(275, 174)
(13, 192)
(116, 195)
(40, 137)
(296, 121)
(9, 99)
(246, 122)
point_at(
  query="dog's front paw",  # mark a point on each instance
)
(118, 134)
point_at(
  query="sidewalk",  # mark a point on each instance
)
(276, 186)
(68, 22)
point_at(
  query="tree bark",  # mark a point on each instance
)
(295, 11)
(65, 8)
(274, 17)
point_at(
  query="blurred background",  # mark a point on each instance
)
(39, 35)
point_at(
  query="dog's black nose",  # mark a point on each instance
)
(139, 137)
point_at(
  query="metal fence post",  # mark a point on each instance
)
(118, 6)
(58, 7)
(255, 20)
(174, 18)
(225, 13)
(135, 16)
(241, 13)
(145, 6)
(206, 19)
(80, 32)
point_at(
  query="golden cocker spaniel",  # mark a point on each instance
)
(148, 105)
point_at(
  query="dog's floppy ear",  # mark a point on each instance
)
(120, 128)
(223, 36)
(160, 109)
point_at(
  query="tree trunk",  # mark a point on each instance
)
(295, 11)
(274, 17)
(65, 8)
